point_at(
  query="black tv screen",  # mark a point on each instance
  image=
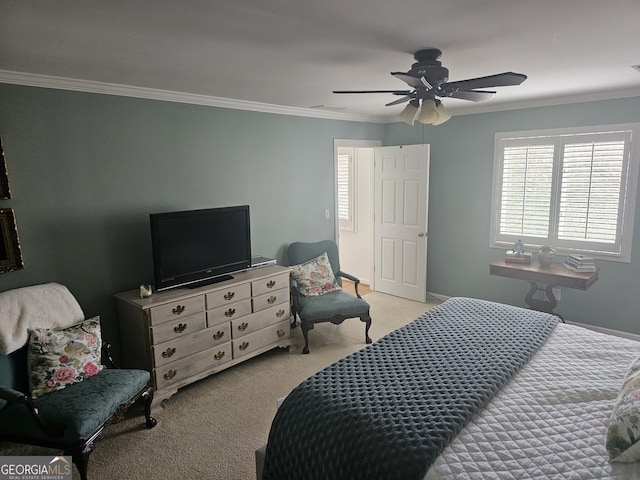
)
(196, 247)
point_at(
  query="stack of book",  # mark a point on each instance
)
(513, 257)
(580, 264)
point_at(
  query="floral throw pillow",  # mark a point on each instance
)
(315, 277)
(623, 431)
(58, 357)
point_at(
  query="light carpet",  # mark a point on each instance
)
(211, 429)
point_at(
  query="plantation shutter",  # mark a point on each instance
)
(527, 178)
(345, 189)
(592, 193)
(571, 190)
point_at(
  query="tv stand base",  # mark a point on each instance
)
(211, 281)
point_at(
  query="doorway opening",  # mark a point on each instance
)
(354, 206)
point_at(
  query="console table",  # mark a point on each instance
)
(543, 279)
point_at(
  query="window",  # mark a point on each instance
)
(573, 188)
(346, 187)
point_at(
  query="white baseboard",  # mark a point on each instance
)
(609, 331)
(439, 296)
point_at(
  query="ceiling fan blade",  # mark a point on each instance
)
(473, 95)
(410, 80)
(498, 80)
(406, 98)
(395, 92)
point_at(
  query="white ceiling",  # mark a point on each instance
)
(293, 53)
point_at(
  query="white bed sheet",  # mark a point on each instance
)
(549, 421)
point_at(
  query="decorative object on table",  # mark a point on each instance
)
(145, 290)
(10, 254)
(512, 257)
(545, 255)
(517, 255)
(518, 248)
(580, 264)
(5, 193)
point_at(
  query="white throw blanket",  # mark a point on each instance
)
(49, 305)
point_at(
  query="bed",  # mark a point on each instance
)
(470, 389)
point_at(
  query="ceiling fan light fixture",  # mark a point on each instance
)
(428, 113)
(443, 115)
(408, 114)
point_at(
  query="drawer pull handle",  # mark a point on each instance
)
(178, 310)
(180, 328)
(169, 352)
(244, 345)
(280, 313)
(170, 374)
(281, 333)
(229, 295)
(219, 355)
(271, 299)
(271, 284)
(243, 326)
(218, 335)
(230, 313)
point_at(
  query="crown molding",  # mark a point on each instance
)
(90, 86)
(546, 101)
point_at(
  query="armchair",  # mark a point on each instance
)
(73, 416)
(334, 306)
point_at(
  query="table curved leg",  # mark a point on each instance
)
(542, 305)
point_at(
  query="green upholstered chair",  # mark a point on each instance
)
(70, 419)
(334, 307)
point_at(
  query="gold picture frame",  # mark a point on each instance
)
(5, 193)
(10, 253)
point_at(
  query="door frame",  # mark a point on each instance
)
(364, 144)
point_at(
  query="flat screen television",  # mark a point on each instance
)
(197, 247)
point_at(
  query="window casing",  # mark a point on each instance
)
(346, 188)
(574, 189)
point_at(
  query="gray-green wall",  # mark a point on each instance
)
(87, 169)
(460, 207)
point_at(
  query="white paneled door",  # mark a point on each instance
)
(400, 221)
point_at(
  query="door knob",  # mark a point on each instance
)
(422, 234)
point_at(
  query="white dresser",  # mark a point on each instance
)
(183, 335)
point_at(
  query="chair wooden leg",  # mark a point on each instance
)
(305, 327)
(80, 455)
(147, 396)
(367, 320)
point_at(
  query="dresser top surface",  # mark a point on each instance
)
(175, 294)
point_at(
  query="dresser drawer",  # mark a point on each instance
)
(192, 365)
(270, 299)
(261, 338)
(228, 295)
(179, 348)
(229, 312)
(269, 284)
(174, 310)
(256, 321)
(178, 328)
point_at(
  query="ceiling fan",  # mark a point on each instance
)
(429, 83)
